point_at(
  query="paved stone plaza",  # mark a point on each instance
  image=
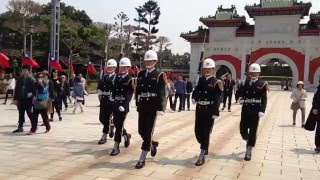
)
(70, 150)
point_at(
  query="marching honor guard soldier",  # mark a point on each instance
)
(105, 89)
(122, 95)
(207, 97)
(253, 97)
(150, 101)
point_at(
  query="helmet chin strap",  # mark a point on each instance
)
(123, 72)
(112, 71)
(152, 66)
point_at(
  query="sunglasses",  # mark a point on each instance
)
(40, 77)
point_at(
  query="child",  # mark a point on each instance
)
(78, 92)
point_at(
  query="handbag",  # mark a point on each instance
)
(43, 104)
(79, 99)
(295, 105)
(311, 122)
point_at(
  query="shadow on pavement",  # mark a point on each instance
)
(188, 163)
(81, 142)
(9, 133)
(301, 151)
(129, 165)
(234, 156)
(93, 152)
(287, 126)
(92, 124)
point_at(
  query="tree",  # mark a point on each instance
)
(149, 15)
(70, 12)
(137, 42)
(70, 37)
(108, 30)
(120, 21)
(23, 10)
(128, 31)
(163, 42)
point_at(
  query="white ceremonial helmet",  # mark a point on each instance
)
(151, 56)
(125, 62)
(112, 63)
(255, 68)
(208, 63)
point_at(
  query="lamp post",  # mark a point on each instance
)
(31, 31)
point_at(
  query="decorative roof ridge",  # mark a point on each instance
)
(295, 4)
(200, 30)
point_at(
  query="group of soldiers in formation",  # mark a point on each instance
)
(149, 88)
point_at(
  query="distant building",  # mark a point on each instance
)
(277, 33)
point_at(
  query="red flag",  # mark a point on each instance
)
(4, 57)
(168, 74)
(4, 60)
(130, 70)
(55, 64)
(71, 67)
(91, 68)
(136, 70)
(29, 61)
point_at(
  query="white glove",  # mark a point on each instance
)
(111, 99)
(29, 95)
(261, 114)
(241, 101)
(194, 101)
(121, 109)
(160, 113)
(215, 117)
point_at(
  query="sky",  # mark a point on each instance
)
(177, 16)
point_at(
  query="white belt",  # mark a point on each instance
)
(252, 101)
(120, 98)
(105, 93)
(205, 103)
(148, 95)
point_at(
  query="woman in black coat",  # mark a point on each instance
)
(316, 111)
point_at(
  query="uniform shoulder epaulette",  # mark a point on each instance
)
(164, 77)
(265, 84)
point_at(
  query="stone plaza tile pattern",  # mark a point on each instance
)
(70, 150)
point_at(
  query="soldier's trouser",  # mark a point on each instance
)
(147, 121)
(317, 136)
(104, 116)
(118, 121)
(249, 124)
(203, 127)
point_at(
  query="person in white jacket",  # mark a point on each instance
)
(299, 96)
(10, 88)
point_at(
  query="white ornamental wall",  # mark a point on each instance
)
(277, 27)
(222, 34)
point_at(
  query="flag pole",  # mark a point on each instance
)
(87, 76)
(69, 74)
(202, 55)
(49, 62)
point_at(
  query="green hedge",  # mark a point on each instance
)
(276, 78)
